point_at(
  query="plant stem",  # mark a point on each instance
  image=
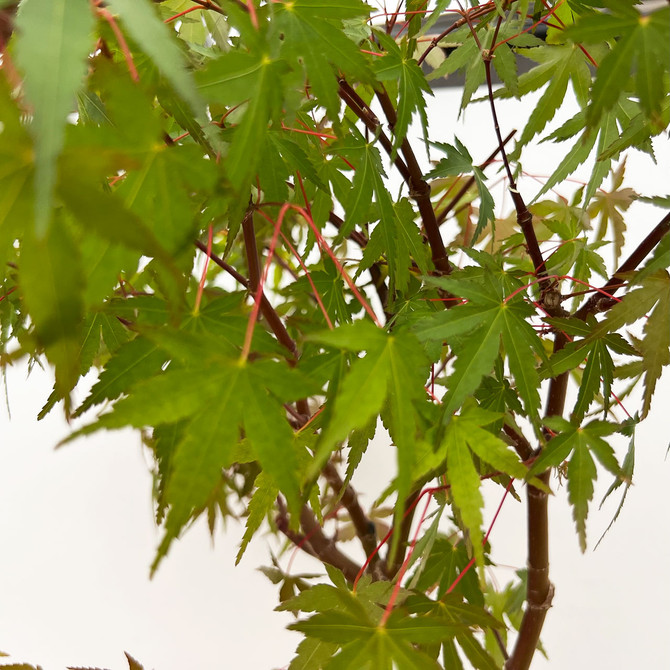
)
(365, 529)
(267, 310)
(419, 190)
(599, 302)
(540, 591)
(523, 216)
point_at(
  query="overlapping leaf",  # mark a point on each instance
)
(308, 26)
(218, 402)
(390, 377)
(157, 40)
(599, 368)
(55, 38)
(256, 80)
(458, 162)
(396, 234)
(583, 442)
(650, 299)
(474, 331)
(464, 436)
(398, 66)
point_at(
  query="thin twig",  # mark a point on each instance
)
(267, 310)
(523, 216)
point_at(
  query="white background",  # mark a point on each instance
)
(77, 535)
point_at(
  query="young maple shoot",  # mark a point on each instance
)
(237, 227)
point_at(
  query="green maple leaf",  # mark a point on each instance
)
(398, 65)
(367, 645)
(159, 42)
(218, 405)
(464, 436)
(54, 40)
(600, 138)
(583, 442)
(254, 79)
(388, 379)
(642, 47)
(51, 281)
(650, 299)
(308, 26)
(17, 175)
(263, 500)
(215, 399)
(396, 234)
(558, 66)
(599, 366)
(133, 362)
(475, 330)
(458, 162)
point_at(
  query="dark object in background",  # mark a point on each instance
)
(7, 24)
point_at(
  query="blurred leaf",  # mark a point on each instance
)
(159, 43)
(54, 40)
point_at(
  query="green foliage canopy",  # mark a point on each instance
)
(196, 199)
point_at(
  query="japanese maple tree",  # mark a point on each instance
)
(221, 206)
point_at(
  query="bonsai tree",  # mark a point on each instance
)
(222, 208)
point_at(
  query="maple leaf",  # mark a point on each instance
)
(396, 233)
(218, 404)
(475, 330)
(54, 67)
(388, 379)
(609, 205)
(599, 365)
(600, 137)
(458, 162)
(251, 78)
(650, 299)
(464, 436)
(558, 65)
(583, 442)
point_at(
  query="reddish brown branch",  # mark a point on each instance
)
(599, 301)
(361, 109)
(540, 591)
(523, 216)
(365, 529)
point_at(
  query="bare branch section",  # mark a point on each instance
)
(325, 547)
(365, 529)
(540, 591)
